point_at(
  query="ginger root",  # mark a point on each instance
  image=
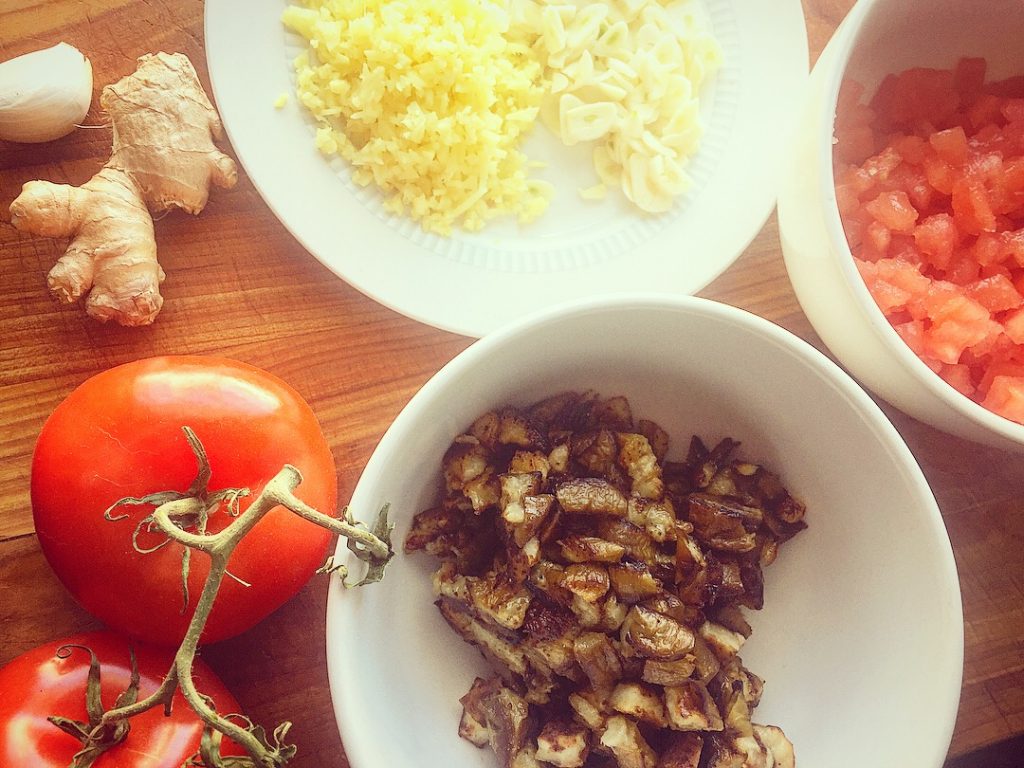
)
(163, 156)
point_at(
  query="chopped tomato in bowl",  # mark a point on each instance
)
(929, 179)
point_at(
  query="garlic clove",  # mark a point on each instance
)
(44, 94)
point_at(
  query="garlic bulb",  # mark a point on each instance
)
(43, 94)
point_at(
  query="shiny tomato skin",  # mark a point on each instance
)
(38, 684)
(120, 434)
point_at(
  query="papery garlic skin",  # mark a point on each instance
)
(44, 94)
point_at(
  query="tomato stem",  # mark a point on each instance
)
(191, 508)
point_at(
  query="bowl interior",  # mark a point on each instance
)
(889, 36)
(860, 641)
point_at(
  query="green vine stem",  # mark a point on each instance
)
(174, 513)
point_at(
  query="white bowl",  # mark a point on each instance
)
(880, 37)
(472, 283)
(860, 640)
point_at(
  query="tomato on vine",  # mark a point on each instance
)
(119, 437)
(52, 681)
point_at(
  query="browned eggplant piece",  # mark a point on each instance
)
(515, 486)
(508, 659)
(706, 464)
(639, 701)
(706, 663)
(639, 546)
(668, 604)
(590, 709)
(590, 549)
(563, 743)
(545, 619)
(656, 436)
(719, 752)
(655, 636)
(613, 412)
(723, 642)
(483, 492)
(683, 751)
(598, 659)
(667, 673)
(556, 412)
(464, 461)
(723, 524)
(546, 578)
(622, 736)
(526, 758)
(633, 582)
(590, 495)
(656, 517)
(530, 461)
(497, 601)
(753, 585)
(586, 580)
(501, 714)
(595, 451)
(774, 740)
(515, 428)
(731, 617)
(638, 460)
(689, 707)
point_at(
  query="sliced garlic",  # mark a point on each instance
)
(625, 74)
(44, 94)
(585, 122)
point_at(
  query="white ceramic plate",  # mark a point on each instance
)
(472, 283)
(860, 642)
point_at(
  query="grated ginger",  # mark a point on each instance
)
(427, 99)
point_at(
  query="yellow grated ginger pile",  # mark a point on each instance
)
(428, 99)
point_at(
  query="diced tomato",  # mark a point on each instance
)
(1010, 88)
(969, 76)
(1013, 110)
(937, 237)
(876, 239)
(1013, 326)
(1013, 247)
(996, 293)
(950, 145)
(971, 209)
(960, 323)
(910, 148)
(963, 270)
(1006, 397)
(959, 377)
(893, 211)
(935, 220)
(912, 333)
(939, 174)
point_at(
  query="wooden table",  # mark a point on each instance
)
(238, 285)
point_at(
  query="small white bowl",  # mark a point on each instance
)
(879, 37)
(861, 638)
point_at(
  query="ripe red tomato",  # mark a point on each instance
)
(120, 434)
(38, 684)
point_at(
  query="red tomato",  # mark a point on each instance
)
(120, 434)
(38, 684)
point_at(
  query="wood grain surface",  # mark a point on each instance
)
(238, 285)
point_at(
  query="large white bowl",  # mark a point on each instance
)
(860, 640)
(472, 283)
(880, 37)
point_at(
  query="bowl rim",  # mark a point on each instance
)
(846, 41)
(345, 699)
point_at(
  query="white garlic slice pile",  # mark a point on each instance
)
(44, 94)
(626, 75)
